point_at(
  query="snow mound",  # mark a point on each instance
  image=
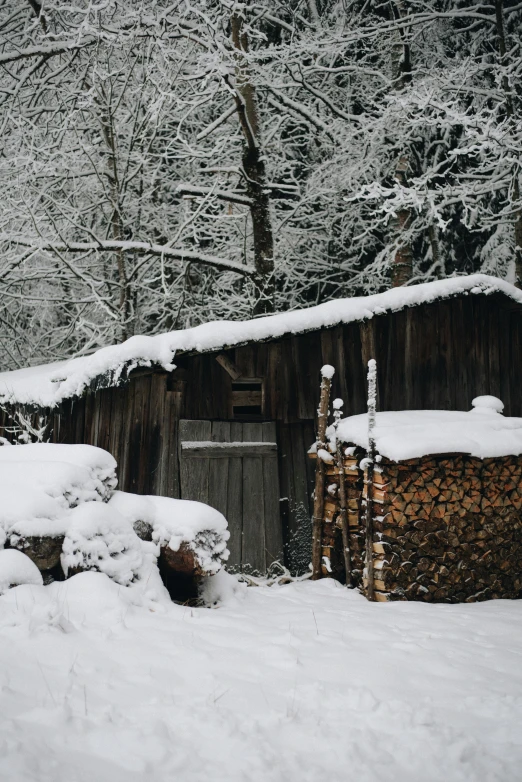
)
(410, 434)
(99, 538)
(176, 522)
(17, 569)
(39, 483)
(48, 385)
(99, 464)
(221, 589)
(487, 404)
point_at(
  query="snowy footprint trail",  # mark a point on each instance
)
(283, 684)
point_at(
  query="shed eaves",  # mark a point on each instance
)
(47, 385)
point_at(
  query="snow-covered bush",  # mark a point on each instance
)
(99, 538)
(17, 569)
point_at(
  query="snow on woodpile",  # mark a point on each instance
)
(17, 569)
(446, 523)
(40, 482)
(408, 434)
(176, 523)
(99, 538)
(58, 507)
(48, 385)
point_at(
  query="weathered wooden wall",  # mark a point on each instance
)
(432, 356)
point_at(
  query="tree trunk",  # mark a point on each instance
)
(402, 263)
(510, 114)
(117, 225)
(254, 170)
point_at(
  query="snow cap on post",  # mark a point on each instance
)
(337, 403)
(327, 371)
(486, 405)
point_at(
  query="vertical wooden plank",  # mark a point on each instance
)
(307, 361)
(89, 407)
(245, 358)
(134, 437)
(253, 554)
(302, 497)
(272, 521)
(503, 351)
(286, 488)
(194, 473)
(444, 369)
(513, 358)
(273, 405)
(218, 470)
(139, 445)
(393, 368)
(287, 378)
(235, 502)
(125, 452)
(95, 418)
(104, 398)
(461, 355)
(296, 490)
(430, 386)
(409, 360)
(78, 424)
(493, 336)
(369, 350)
(516, 364)
(481, 368)
(158, 434)
(341, 370)
(355, 395)
(328, 355)
(117, 434)
(174, 402)
(221, 389)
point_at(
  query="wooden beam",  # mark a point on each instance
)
(221, 450)
(229, 366)
(247, 399)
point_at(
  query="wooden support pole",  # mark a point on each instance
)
(344, 517)
(369, 467)
(327, 372)
(343, 505)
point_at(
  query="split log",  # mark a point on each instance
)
(45, 552)
(181, 573)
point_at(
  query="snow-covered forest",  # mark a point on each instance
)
(165, 163)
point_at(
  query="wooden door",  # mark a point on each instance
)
(232, 466)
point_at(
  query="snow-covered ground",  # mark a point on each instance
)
(300, 682)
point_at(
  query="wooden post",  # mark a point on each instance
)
(327, 372)
(337, 405)
(370, 461)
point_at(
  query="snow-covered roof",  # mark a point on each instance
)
(409, 434)
(48, 385)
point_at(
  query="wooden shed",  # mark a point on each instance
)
(224, 412)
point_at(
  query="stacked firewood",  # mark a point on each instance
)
(445, 528)
(332, 563)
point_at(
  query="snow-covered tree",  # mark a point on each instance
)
(166, 163)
